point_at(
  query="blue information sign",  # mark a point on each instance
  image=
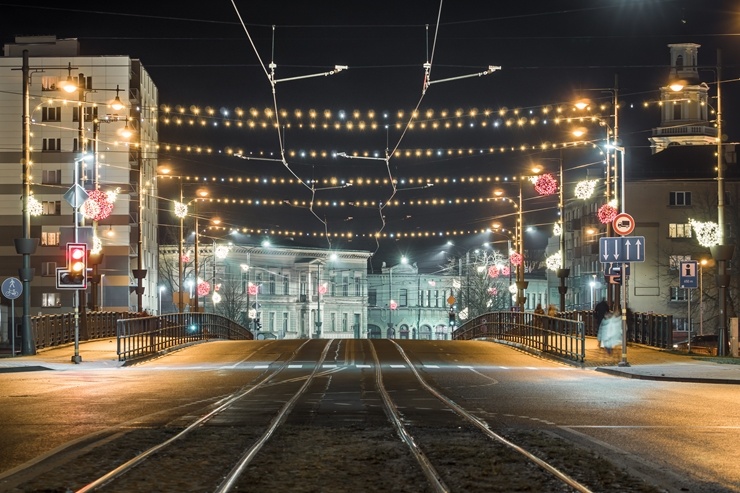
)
(687, 274)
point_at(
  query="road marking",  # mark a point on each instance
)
(261, 367)
(295, 366)
(398, 366)
(328, 366)
(431, 366)
(363, 366)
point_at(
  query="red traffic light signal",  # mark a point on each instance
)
(75, 275)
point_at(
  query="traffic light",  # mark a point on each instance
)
(452, 317)
(75, 275)
(257, 324)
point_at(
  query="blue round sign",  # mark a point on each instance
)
(12, 288)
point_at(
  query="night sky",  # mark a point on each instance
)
(200, 55)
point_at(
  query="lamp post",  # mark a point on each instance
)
(161, 288)
(703, 262)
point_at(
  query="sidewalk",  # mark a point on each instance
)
(645, 362)
(648, 363)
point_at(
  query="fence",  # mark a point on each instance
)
(146, 336)
(58, 329)
(651, 329)
(561, 337)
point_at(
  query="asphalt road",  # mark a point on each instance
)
(664, 430)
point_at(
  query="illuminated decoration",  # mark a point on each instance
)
(113, 194)
(322, 289)
(34, 206)
(493, 271)
(98, 205)
(181, 210)
(463, 315)
(97, 245)
(393, 305)
(516, 259)
(253, 289)
(553, 262)
(216, 298)
(432, 283)
(505, 270)
(493, 291)
(607, 213)
(546, 184)
(707, 233)
(204, 287)
(585, 189)
(185, 257)
(222, 251)
(456, 283)
(512, 289)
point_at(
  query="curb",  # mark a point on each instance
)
(664, 378)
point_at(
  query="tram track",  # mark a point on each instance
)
(328, 417)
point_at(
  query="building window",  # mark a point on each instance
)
(679, 198)
(51, 114)
(51, 208)
(345, 328)
(356, 326)
(436, 298)
(51, 176)
(286, 285)
(403, 297)
(51, 145)
(271, 285)
(679, 230)
(49, 82)
(679, 294)
(372, 297)
(48, 269)
(303, 286)
(50, 238)
(285, 322)
(674, 261)
(271, 321)
(345, 285)
(51, 300)
(90, 114)
(358, 286)
(333, 322)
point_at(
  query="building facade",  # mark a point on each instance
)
(286, 293)
(90, 152)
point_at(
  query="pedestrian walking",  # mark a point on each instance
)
(552, 311)
(610, 332)
(600, 310)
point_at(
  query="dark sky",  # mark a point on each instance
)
(199, 54)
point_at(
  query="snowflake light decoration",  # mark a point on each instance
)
(181, 210)
(493, 291)
(98, 205)
(204, 287)
(322, 289)
(585, 189)
(607, 213)
(97, 245)
(553, 261)
(34, 207)
(505, 271)
(707, 234)
(512, 288)
(222, 251)
(557, 229)
(546, 184)
(492, 271)
(516, 258)
(216, 298)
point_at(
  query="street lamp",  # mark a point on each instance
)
(702, 263)
(161, 288)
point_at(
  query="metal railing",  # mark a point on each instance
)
(147, 336)
(556, 336)
(650, 329)
(59, 329)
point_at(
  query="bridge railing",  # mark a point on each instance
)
(147, 336)
(650, 329)
(58, 329)
(557, 336)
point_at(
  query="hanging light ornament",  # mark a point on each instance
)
(216, 298)
(493, 271)
(516, 259)
(34, 206)
(181, 210)
(204, 287)
(512, 289)
(557, 229)
(607, 213)
(222, 251)
(553, 261)
(546, 184)
(505, 271)
(707, 234)
(585, 189)
(97, 245)
(493, 291)
(98, 205)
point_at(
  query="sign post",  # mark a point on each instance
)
(12, 288)
(688, 279)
